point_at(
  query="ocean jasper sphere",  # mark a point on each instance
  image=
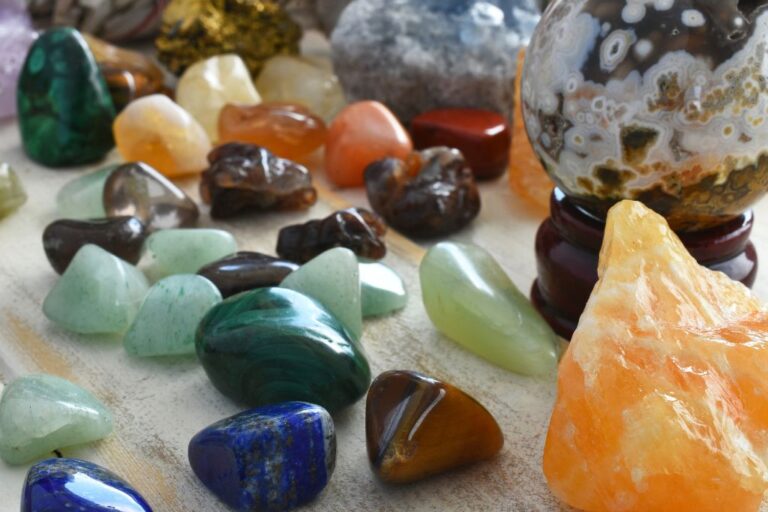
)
(662, 101)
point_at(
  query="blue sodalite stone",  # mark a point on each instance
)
(58, 485)
(267, 459)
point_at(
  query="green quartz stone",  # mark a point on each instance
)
(12, 194)
(42, 413)
(64, 107)
(472, 301)
(275, 345)
(83, 197)
(185, 251)
(169, 316)
(98, 293)
(382, 290)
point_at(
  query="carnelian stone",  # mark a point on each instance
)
(361, 134)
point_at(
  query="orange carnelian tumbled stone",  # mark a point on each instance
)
(662, 395)
(361, 134)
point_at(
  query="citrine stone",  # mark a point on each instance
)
(382, 290)
(98, 294)
(65, 111)
(470, 299)
(275, 345)
(185, 251)
(12, 194)
(166, 323)
(661, 395)
(417, 426)
(42, 413)
(245, 271)
(83, 197)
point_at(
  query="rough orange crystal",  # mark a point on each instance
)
(662, 395)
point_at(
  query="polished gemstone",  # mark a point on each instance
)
(166, 323)
(65, 111)
(245, 271)
(42, 413)
(98, 294)
(275, 457)
(361, 134)
(121, 236)
(185, 251)
(273, 345)
(83, 197)
(471, 300)
(158, 132)
(16, 36)
(382, 290)
(12, 194)
(77, 485)
(417, 426)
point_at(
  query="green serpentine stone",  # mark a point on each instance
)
(12, 194)
(83, 197)
(383, 291)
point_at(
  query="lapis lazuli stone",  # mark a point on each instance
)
(70, 484)
(272, 458)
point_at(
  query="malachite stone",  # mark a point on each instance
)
(12, 194)
(185, 251)
(169, 315)
(274, 345)
(42, 413)
(83, 197)
(332, 279)
(65, 110)
(382, 290)
(472, 301)
(98, 293)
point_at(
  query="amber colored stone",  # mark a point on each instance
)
(361, 134)
(482, 136)
(245, 271)
(417, 426)
(287, 130)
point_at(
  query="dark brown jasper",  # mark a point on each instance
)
(244, 177)
(245, 271)
(122, 236)
(432, 193)
(354, 228)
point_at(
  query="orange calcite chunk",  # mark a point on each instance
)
(662, 395)
(361, 134)
(288, 130)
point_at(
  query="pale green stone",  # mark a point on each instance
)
(98, 293)
(472, 301)
(169, 315)
(382, 290)
(83, 197)
(42, 413)
(332, 279)
(12, 194)
(184, 251)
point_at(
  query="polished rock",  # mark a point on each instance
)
(245, 271)
(185, 251)
(83, 197)
(16, 36)
(382, 290)
(12, 194)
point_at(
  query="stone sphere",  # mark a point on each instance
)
(662, 101)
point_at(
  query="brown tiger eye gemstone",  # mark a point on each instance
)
(245, 271)
(417, 426)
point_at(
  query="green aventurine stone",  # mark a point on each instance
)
(83, 197)
(42, 413)
(274, 345)
(169, 316)
(472, 301)
(382, 290)
(65, 110)
(332, 279)
(12, 194)
(185, 251)
(98, 293)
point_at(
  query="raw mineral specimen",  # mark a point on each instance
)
(12, 194)
(185, 251)
(382, 290)
(245, 271)
(16, 36)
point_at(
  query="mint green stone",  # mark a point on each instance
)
(471, 300)
(42, 413)
(169, 315)
(12, 194)
(382, 290)
(185, 251)
(332, 279)
(98, 294)
(83, 197)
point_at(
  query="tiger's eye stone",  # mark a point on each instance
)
(185, 251)
(12, 194)
(121, 236)
(287, 130)
(83, 197)
(245, 271)
(417, 426)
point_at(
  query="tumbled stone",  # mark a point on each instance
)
(382, 290)
(121, 236)
(65, 111)
(245, 271)
(185, 251)
(417, 426)
(276, 457)
(16, 36)
(244, 177)
(208, 85)
(166, 323)
(83, 197)
(98, 293)
(42, 413)
(12, 194)
(275, 345)
(156, 131)
(72, 484)
(470, 299)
